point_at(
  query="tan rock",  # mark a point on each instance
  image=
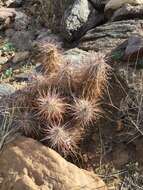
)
(6, 16)
(115, 4)
(25, 164)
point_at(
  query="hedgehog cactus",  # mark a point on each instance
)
(103, 76)
(96, 77)
(85, 111)
(66, 93)
(51, 107)
(59, 138)
(49, 57)
(28, 126)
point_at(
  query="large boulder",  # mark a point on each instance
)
(26, 164)
(78, 19)
(108, 36)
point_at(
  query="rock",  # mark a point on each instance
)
(22, 77)
(75, 55)
(45, 36)
(3, 60)
(79, 18)
(26, 164)
(13, 3)
(134, 49)
(108, 36)
(115, 4)
(21, 21)
(9, 32)
(74, 18)
(52, 12)
(1, 3)
(98, 4)
(20, 56)
(22, 40)
(6, 16)
(6, 89)
(44, 33)
(128, 12)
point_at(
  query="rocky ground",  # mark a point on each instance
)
(113, 149)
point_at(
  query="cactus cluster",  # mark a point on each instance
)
(65, 101)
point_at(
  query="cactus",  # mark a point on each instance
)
(96, 77)
(28, 125)
(64, 93)
(85, 111)
(49, 57)
(59, 138)
(51, 106)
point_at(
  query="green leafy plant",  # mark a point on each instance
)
(8, 72)
(7, 47)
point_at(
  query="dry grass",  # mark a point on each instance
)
(131, 110)
(8, 131)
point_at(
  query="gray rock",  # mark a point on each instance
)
(46, 36)
(75, 17)
(98, 4)
(108, 36)
(22, 77)
(22, 40)
(10, 3)
(128, 12)
(75, 55)
(6, 89)
(134, 49)
(20, 56)
(78, 19)
(21, 21)
(9, 32)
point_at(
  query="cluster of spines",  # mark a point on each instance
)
(65, 94)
